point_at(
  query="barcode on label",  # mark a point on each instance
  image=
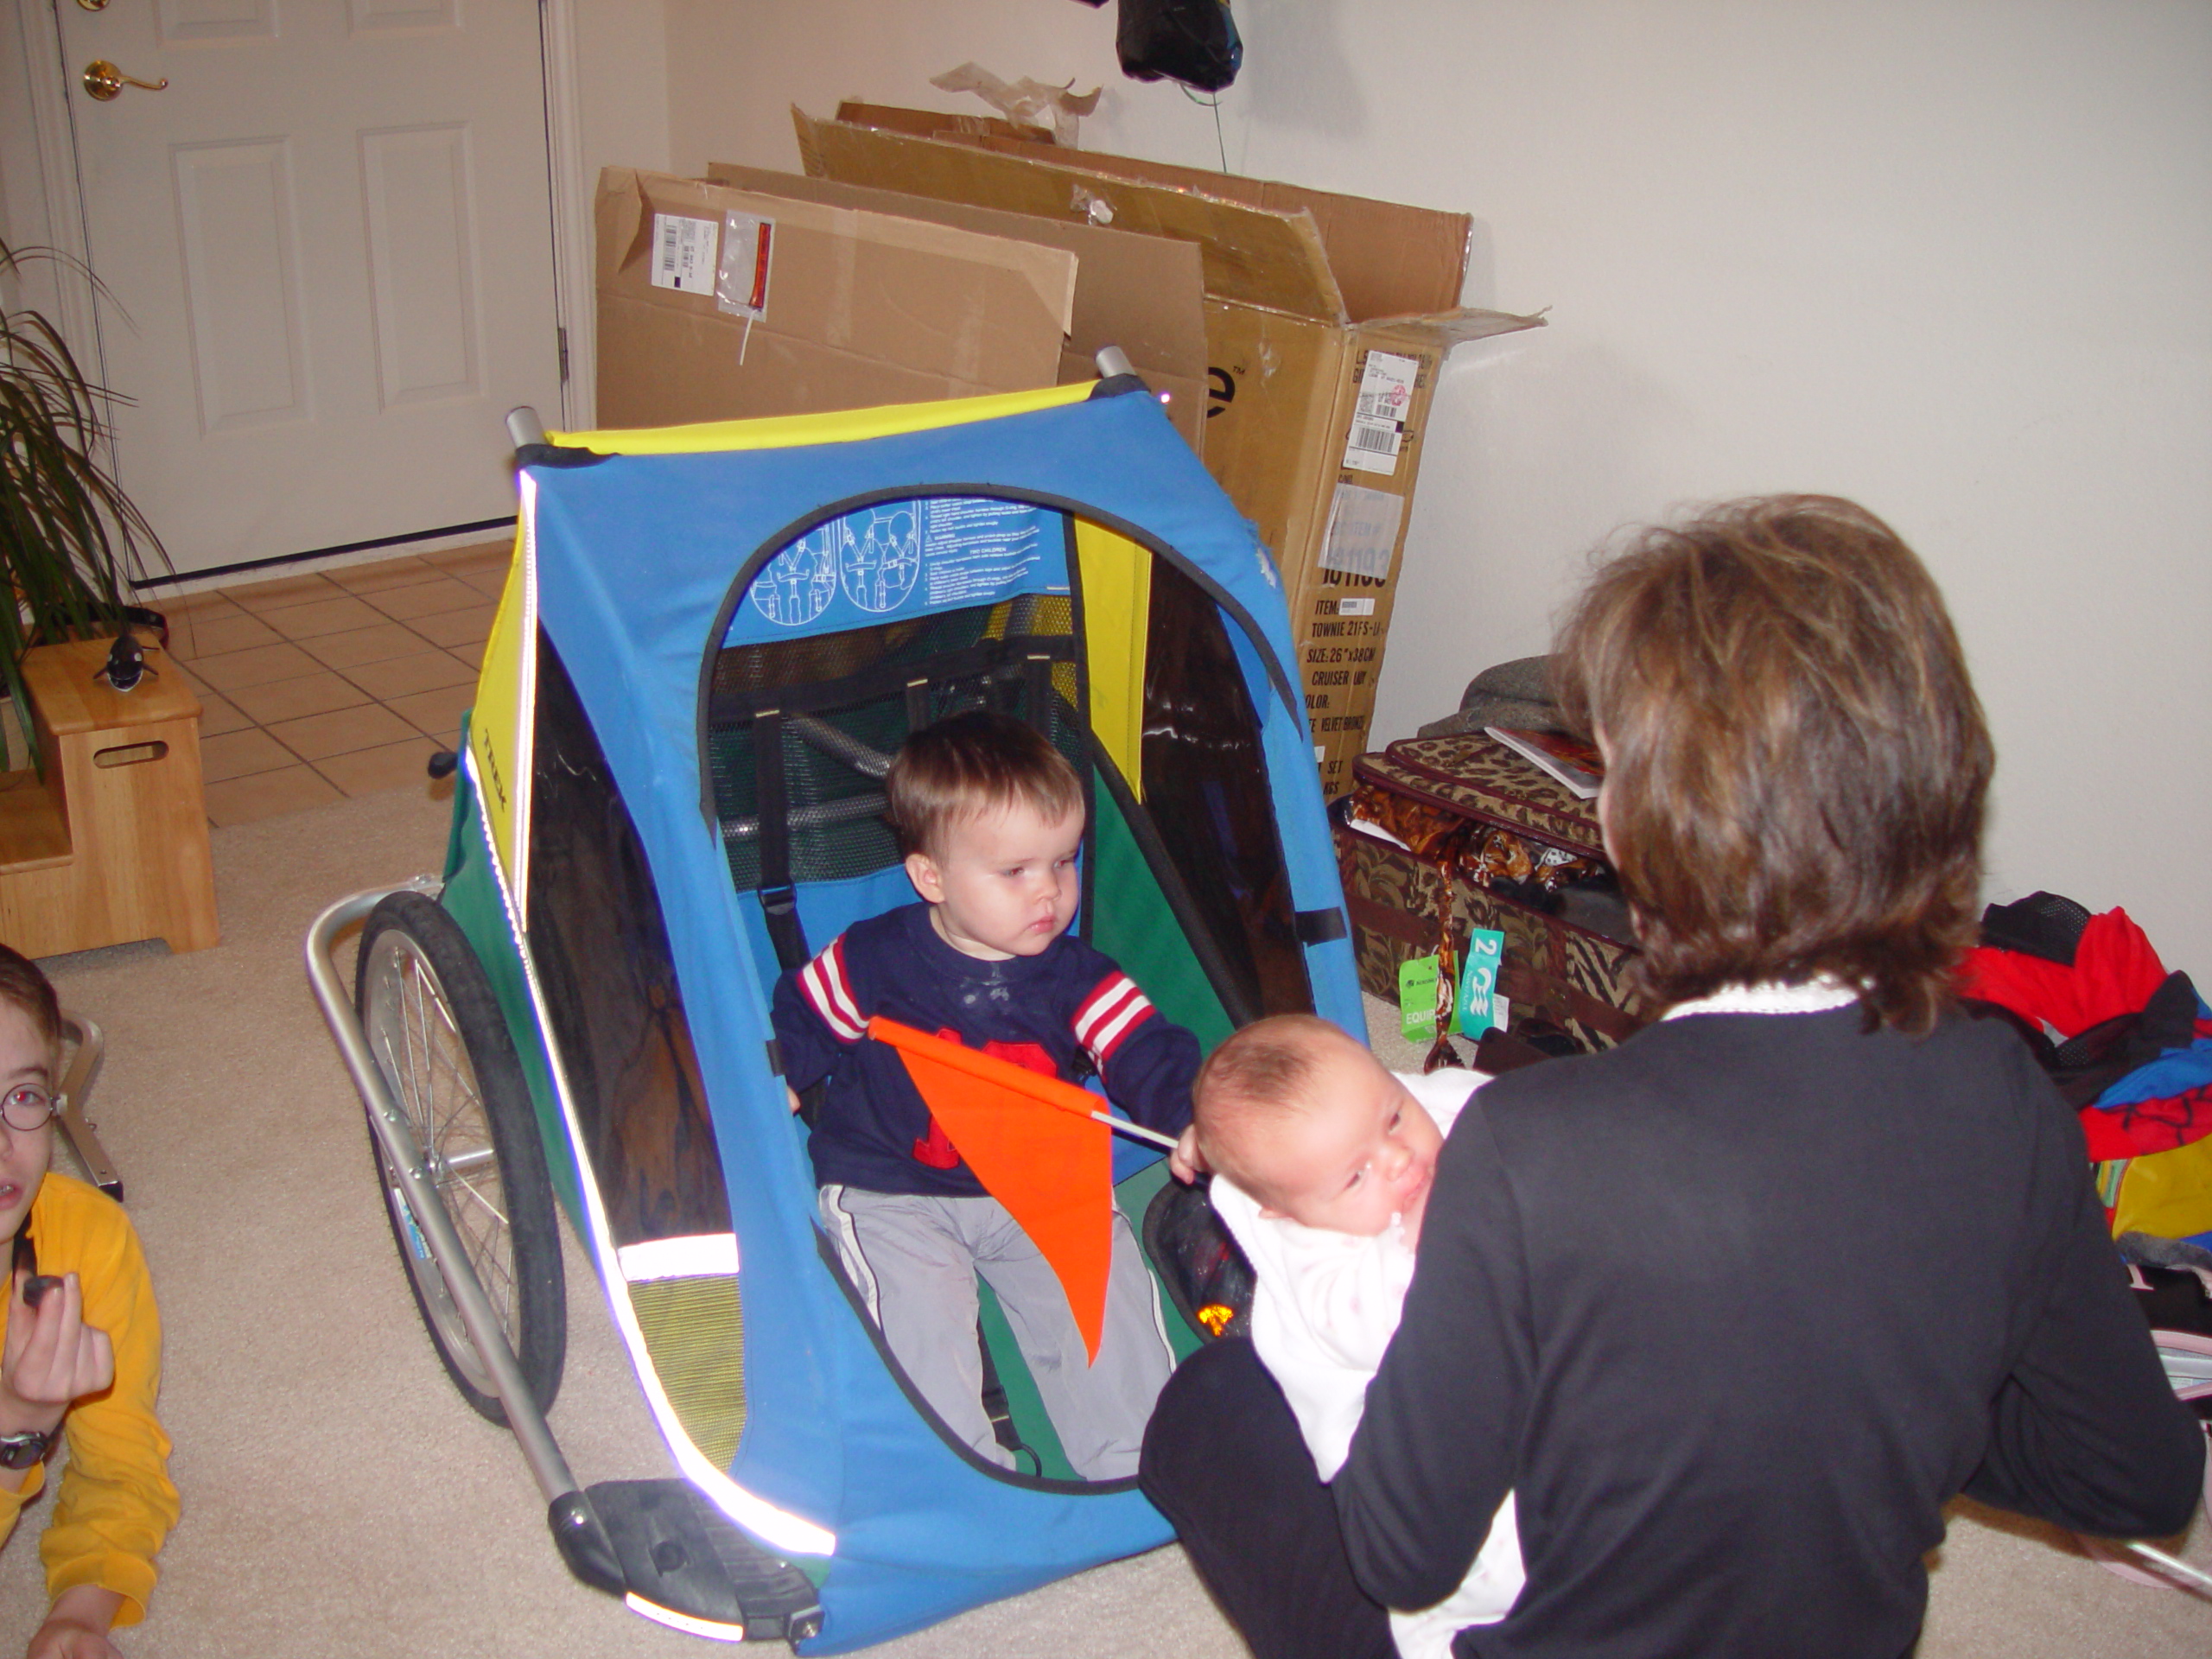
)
(1379, 412)
(683, 252)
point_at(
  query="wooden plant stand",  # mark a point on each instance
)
(111, 845)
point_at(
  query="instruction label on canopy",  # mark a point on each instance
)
(895, 557)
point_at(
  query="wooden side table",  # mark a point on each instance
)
(111, 845)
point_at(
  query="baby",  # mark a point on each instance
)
(1322, 1165)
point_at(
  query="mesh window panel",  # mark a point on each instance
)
(601, 952)
(844, 702)
(1206, 793)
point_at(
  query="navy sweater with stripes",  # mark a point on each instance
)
(1067, 1011)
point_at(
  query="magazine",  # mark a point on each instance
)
(1574, 763)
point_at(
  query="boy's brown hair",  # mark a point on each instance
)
(1796, 761)
(970, 765)
(24, 983)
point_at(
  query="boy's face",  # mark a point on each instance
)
(25, 1059)
(1004, 883)
(1361, 1152)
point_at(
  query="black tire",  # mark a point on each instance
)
(442, 1044)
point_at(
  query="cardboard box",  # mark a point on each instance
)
(1140, 293)
(715, 304)
(932, 124)
(1328, 319)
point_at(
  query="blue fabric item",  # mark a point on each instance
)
(2174, 1072)
(635, 558)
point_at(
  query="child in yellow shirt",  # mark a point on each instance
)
(81, 1362)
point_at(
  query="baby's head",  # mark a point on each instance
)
(1309, 1122)
(990, 818)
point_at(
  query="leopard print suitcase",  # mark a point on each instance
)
(1443, 799)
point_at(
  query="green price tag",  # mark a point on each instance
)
(1417, 999)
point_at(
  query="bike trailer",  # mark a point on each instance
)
(711, 640)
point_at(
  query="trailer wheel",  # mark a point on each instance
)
(442, 1044)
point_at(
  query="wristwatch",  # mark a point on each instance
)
(20, 1450)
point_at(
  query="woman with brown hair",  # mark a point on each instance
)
(1735, 1308)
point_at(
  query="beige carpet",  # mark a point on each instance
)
(340, 1500)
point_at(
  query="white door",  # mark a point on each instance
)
(329, 245)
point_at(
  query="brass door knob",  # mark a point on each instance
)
(105, 81)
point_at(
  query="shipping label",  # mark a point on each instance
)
(683, 253)
(1378, 421)
(1363, 533)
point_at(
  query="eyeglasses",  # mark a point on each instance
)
(25, 1108)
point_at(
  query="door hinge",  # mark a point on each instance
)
(563, 333)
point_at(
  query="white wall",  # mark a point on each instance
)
(623, 86)
(1952, 258)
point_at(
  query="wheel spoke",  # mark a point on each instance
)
(426, 1040)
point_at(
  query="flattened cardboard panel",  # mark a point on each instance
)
(1388, 259)
(1140, 293)
(1252, 255)
(862, 308)
(929, 124)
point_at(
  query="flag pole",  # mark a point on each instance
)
(1046, 1092)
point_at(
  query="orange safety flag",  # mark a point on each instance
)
(1053, 1170)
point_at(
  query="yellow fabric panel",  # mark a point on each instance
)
(696, 1333)
(496, 734)
(2168, 1194)
(1117, 613)
(833, 426)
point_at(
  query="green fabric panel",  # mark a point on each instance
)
(1135, 1195)
(1133, 924)
(1023, 1403)
(471, 899)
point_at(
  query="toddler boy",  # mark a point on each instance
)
(991, 818)
(1322, 1165)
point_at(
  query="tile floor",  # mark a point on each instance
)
(312, 687)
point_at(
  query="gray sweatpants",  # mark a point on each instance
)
(914, 1260)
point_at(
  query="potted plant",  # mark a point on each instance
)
(71, 541)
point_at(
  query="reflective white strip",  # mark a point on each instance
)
(525, 732)
(700, 1257)
(781, 1528)
(676, 1621)
(824, 980)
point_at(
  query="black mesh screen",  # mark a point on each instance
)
(1206, 793)
(601, 952)
(838, 705)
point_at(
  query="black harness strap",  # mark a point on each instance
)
(778, 898)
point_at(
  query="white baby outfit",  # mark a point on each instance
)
(1323, 1312)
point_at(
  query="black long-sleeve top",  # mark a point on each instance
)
(1735, 1309)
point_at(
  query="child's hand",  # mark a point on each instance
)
(1186, 1163)
(78, 1626)
(52, 1357)
(793, 1093)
